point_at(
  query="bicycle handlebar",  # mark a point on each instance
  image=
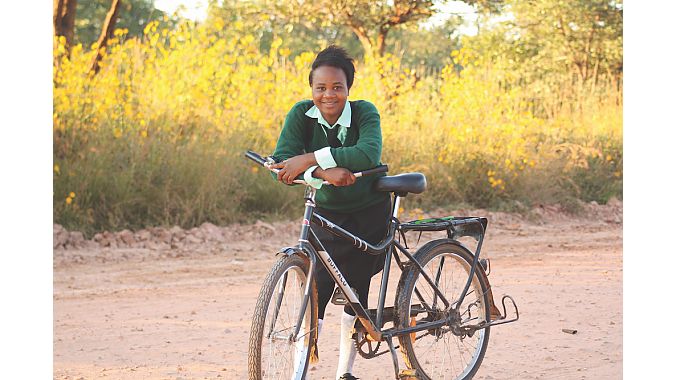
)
(376, 170)
(255, 157)
(267, 162)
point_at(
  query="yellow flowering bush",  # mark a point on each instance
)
(157, 136)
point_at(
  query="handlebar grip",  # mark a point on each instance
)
(255, 157)
(376, 170)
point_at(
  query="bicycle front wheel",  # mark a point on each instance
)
(444, 352)
(273, 354)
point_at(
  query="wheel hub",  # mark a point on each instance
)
(451, 317)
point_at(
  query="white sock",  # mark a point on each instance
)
(348, 351)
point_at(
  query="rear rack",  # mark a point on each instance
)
(455, 226)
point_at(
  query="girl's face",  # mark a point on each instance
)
(329, 91)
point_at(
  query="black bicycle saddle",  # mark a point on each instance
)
(402, 184)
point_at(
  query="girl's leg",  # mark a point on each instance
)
(358, 269)
(348, 350)
(357, 266)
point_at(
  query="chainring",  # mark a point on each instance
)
(365, 346)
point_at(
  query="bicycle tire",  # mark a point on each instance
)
(271, 354)
(432, 353)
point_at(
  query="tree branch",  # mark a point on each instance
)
(106, 33)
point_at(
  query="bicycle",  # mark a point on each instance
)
(441, 304)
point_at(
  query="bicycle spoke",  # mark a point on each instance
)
(280, 296)
(451, 361)
(439, 353)
(275, 355)
(422, 300)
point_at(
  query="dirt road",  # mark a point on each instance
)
(186, 313)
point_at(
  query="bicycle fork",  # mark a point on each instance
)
(303, 240)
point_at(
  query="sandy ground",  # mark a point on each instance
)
(142, 314)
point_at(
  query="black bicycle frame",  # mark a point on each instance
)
(307, 243)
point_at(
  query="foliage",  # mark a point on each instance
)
(582, 37)
(156, 138)
(370, 21)
(557, 49)
(299, 35)
(301, 31)
(134, 15)
(426, 46)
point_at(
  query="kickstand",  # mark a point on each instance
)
(407, 374)
(393, 351)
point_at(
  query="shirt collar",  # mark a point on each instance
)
(343, 120)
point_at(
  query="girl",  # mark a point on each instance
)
(328, 138)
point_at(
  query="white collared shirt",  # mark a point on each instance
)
(323, 156)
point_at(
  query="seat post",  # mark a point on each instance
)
(395, 208)
(386, 266)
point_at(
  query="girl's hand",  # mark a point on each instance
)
(293, 167)
(336, 176)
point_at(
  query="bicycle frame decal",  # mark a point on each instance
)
(340, 281)
(336, 270)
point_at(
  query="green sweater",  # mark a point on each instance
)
(361, 150)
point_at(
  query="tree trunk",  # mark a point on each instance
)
(380, 41)
(106, 33)
(64, 20)
(364, 39)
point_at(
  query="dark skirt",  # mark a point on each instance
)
(370, 224)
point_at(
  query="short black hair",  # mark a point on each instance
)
(335, 56)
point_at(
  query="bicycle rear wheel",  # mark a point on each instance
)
(272, 353)
(443, 353)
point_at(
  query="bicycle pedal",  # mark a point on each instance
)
(339, 298)
(408, 374)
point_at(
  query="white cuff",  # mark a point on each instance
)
(325, 159)
(312, 181)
